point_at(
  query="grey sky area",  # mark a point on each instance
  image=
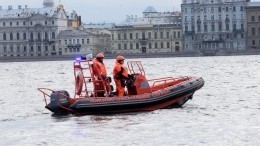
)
(99, 11)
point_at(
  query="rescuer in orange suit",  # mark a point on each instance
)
(99, 70)
(120, 73)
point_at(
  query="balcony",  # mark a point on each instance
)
(74, 45)
(213, 40)
(189, 32)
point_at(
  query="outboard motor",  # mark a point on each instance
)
(137, 85)
(59, 100)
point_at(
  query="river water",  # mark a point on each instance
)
(226, 111)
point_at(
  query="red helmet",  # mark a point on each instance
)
(119, 58)
(100, 55)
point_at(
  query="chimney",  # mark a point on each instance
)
(19, 7)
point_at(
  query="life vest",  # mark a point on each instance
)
(99, 68)
(120, 70)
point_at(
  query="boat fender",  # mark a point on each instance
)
(79, 83)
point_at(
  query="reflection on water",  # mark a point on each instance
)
(224, 112)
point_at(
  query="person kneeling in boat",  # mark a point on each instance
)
(100, 73)
(121, 75)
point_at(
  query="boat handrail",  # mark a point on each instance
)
(163, 82)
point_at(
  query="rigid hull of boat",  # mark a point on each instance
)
(146, 102)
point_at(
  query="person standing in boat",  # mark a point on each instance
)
(99, 71)
(120, 73)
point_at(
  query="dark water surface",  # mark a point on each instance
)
(226, 111)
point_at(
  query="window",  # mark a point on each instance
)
(24, 36)
(167, 35)
(143, 35)
(258, 18)
(219, 9)
(253, 18)
(242, 26)
(46, 36)
(155, 35)
(3, 23)
(66, 42)
(186, 28)
(125, 36)
(150, 45)
(174, 34)
(39, 36)
(11, 36)
(253, 31)
(53, 35)
(179, 34)
(253, 42)
(52, 22)
(234, 26)
(219, 26)
(137, 36)
(4, 36)
(131, 46)
(161, 35)
(83, 41)
(88, 41)
(205, 27)
(119, 36)
(226, 9)
(125, 46)
(119, 46)
(24, 49)
(137, 45)
(155, 45)
(31, 36)
(234, 9)
(131, 36)
(227, 26)
(11, 23)
(46, 23)
(17, 23)
(162, 45)
(24, 23)
(241, 8)
(31, 23)
(112, 36)
(17, 36)
(77, 41)
(149, 35)
(212, 27)
(18, 49)
(168, 44)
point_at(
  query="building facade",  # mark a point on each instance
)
(154, 32)
(212, 25)
(253, 25)
(80, 42)
(31, 32)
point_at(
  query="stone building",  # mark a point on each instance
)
(80, 42)
(31, 31)
(213, 25)
(253, 25)
(154, 32)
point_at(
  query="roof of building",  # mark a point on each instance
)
(253, 4)
(26, 12)
(150, 9)
(73, 33)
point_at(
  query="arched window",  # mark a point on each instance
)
(18, 36)
(24, 36)
(4, 36)
(46, 36)
(39, 36)
(31, 36)
(53, 35)
(11, 36)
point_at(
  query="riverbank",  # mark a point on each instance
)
(132, 55)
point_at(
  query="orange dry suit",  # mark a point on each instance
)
(120, 76)
(99, 71)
